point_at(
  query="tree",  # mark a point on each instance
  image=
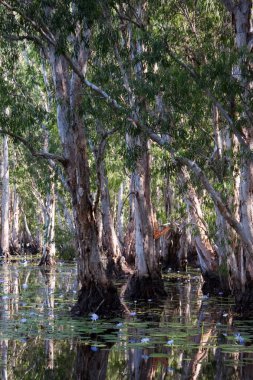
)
(97, 293)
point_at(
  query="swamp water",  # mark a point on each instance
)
(188, 337)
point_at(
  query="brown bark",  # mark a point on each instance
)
(97, 293)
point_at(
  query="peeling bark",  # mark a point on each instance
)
(97, 293)
(5, 243)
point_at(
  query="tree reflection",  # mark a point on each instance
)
(5, 316)
(91, 362)
(49, 277)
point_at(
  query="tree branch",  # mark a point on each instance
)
(45, 155)
(44, 31)
(12, 37)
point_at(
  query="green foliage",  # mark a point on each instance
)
(160, 65)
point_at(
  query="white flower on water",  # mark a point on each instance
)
(94, 317)
(25, 286)
(170, 342)
(240, 339)
(145, 340)
(225, 315)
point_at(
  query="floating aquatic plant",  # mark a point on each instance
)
(239, 339)
(145, 340)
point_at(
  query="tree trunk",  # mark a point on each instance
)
(48, 251)
(120, 216)
(207, 256)
(147, 280)
(166, 255)
(129, 238)
(15, 244)
(97, 293)
(110, 242)
(242, 20)
(110, 239)
(5, 200)
(68, 216)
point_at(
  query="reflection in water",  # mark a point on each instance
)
(49, 277)
(189, 337)
(91, 362)
(5, 315)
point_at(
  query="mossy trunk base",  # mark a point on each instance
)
(96, 298)
(145, 288)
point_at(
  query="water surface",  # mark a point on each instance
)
(189, 336)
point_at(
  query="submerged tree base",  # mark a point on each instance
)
(145, 288)
(96, 298)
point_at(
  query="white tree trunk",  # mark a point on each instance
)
(120, 215)
(68, 215)
(205, 250)
(48, 252)
(28, 236)
(15, 224)
(5, 200)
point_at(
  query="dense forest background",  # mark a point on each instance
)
(127, 141)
